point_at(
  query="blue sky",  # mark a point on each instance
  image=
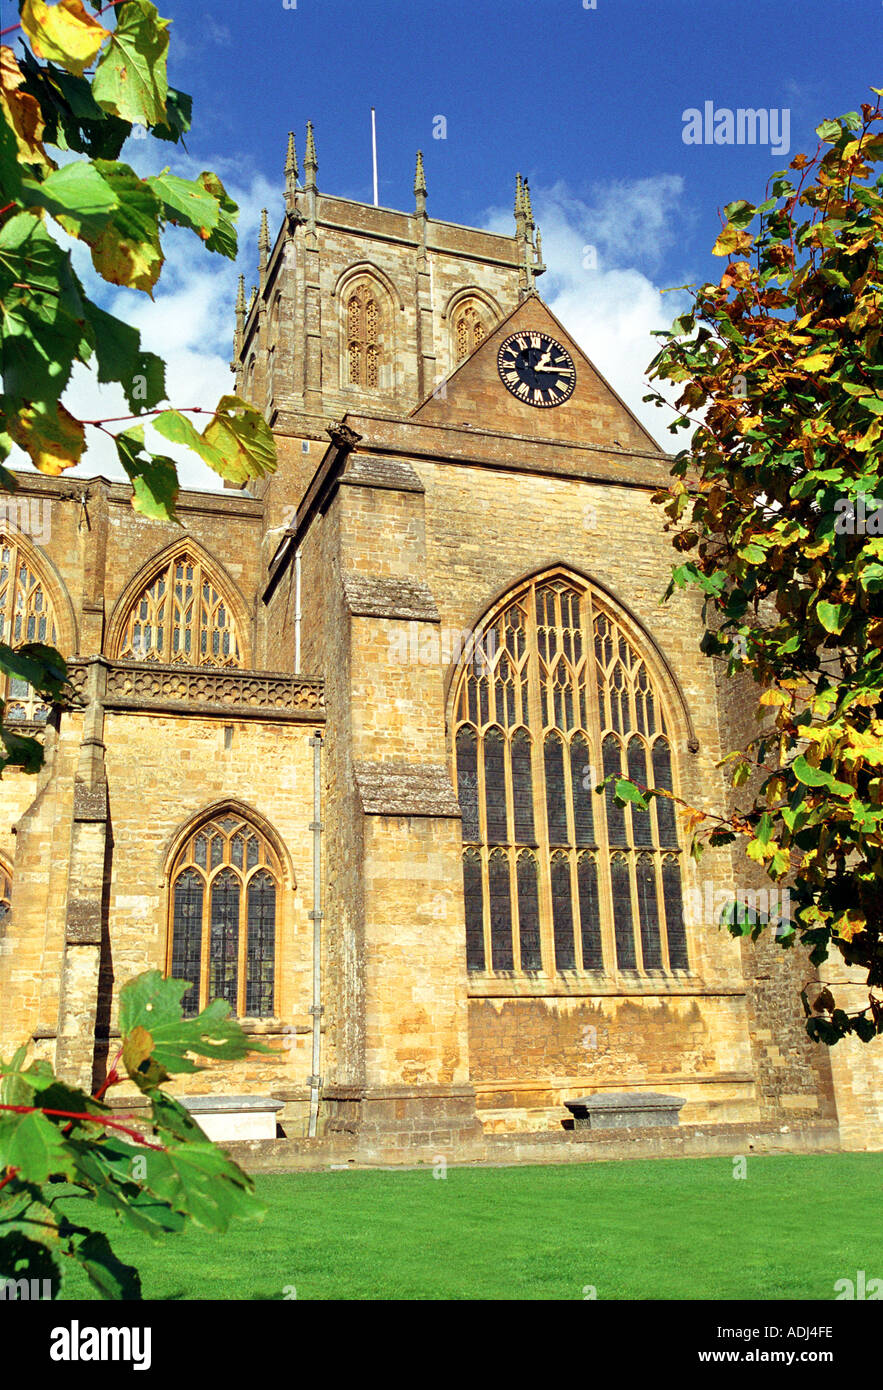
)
(587, 102)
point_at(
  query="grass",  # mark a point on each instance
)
(670, 1229)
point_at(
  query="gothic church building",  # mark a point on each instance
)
(335, 736)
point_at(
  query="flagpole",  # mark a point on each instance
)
(374, 152)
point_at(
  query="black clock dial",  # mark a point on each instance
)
(536, 368)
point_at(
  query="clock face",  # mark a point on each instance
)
(536, 368)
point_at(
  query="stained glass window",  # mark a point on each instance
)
(225, 887)
(181, 616)
(561, 699)
(26, 615)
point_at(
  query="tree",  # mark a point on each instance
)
(775, 506)
(60, 1147)
(82, 88)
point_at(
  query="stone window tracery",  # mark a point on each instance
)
(181, 616)
(556, 878)
(469, 331)
(225, 889)
(363, 338)
(26, 615)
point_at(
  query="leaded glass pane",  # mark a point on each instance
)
(562, 914)
(648, 913)
(522, 789)
(623, 928)
(495, 787)
(501, 911)
(556, 795)
(528, 913)
(224, 938)
(474, 900)
(589, 912)
(187, 936)
(261, 952)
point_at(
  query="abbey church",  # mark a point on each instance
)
(335, 736)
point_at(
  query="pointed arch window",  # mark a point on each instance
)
(469, 331)
(181, 617)
(555, 697)
(225, 890)
(363, 337)
(26, 615)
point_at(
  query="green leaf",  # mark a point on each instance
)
(237, 442)
(19, 750)
(627, 791)
(39, 665)
(740, 214)
(130, 80)
(833, 616)
(223, 239)
(42, 312)
(105, 1272)
(829, 131)
(121, 359)
(154, 1004)
(35, 1146)
(816, 777)
(79, 199)
(179, 110)
(128, 251)
(186, 203)
(154, 478)
(200, 1180)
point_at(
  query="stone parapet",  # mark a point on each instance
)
(143, 686)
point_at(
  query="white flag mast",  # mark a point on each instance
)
(374, 152)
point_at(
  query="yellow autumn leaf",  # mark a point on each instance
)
(774, 697)
(849, 924)
(54, 441)
(22, 112)
(815, 362)
(63, 33)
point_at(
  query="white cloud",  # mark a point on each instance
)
(601, 253)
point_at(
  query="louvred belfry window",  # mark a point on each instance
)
(554, 697)
(181, 617)
(363, 346)
(224, 904)
(26, 615)
(469, 331)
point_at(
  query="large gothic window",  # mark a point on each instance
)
(556, 878)
(26, 615)
(469, 331)
(363, 337)
(181, 616)
(225, 892)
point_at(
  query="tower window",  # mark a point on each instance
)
(363, 346)
(469, 331)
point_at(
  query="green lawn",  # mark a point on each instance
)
(673, 1229)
